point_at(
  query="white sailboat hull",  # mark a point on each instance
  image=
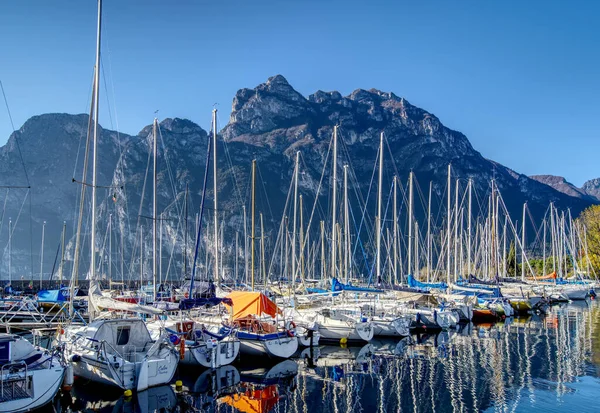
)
(213, 354)
(45, 385)
(278, 348)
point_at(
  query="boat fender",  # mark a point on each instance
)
(435, 315)
(182, 350)
(69, 378)
(75, 358)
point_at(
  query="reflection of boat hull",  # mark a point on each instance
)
(264, 375)
(215, 381)
(155, 399)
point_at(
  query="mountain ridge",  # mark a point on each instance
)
(269, 123)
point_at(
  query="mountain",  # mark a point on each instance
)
(268, 123)
(589, 191)
(592, 188)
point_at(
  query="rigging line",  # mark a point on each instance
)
(16, 138)
(4, 208)
(178, 207)
(97, 186)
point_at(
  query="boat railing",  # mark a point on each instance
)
(15, 382)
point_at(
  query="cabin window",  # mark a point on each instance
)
(122, 336)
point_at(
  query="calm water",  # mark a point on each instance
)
(549, 364)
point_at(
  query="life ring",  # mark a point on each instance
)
(290, 326)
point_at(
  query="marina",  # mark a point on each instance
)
(296, 259)
(522, 364)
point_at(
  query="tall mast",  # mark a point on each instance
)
(141, 257)
(154, 217)
(470, 189)
(544, 247)
(42, 254)
(185, 233)
(429, 232)
(449, 219)
(245, 246)
(346, 224)
(301, 223)
(523, 244)
(456, 233)
(410, 221)
(334, 203)
(62, 253)
(395, 237)
(416, 249)
(294, 219)
(323, 250)
(552, 238)
(252, 224)
(109, 248)
(215, 212)
(378, 222)
(9, 251)
(95, 146)
(262, 250)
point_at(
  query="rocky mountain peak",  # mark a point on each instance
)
(592, 188)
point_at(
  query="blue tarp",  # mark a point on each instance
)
(51, 296)
(418, 284)
(338, 286)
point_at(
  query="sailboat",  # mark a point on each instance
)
(30, 377)
(115, 351)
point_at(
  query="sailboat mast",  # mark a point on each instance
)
(301, 223)
(185, 232)
(378, 222)
(323, 250)
(294, 219)
(154, 235)
(346, 224)
(109, 247)
(252, 225)
(395, 236)
(95, 150)
(429, 233)
(42, 254)
(334, 203)
(9, 251)
(62, 253)
(470, 189)
(449, 219)
(215, 203)
(410, 221)
(456, 233)
(523, 244)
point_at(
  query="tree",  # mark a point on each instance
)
(589, 222)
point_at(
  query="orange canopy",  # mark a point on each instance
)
(254, 401)
(551, 276)
(247, 303)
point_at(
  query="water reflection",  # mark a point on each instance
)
(525, 364)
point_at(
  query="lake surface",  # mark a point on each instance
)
(549, 364)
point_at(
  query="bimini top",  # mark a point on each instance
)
(247, 303)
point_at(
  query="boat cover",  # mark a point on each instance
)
(51, 296)
(96, 299)
(245, 303)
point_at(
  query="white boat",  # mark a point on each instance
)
(29, 376)
(276, 345)
(210, 348)
(335, 325)
(575, 293)
(120, 352)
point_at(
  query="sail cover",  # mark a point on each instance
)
(247, 303)
(98, 301)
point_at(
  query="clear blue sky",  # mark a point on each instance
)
(519, 78)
